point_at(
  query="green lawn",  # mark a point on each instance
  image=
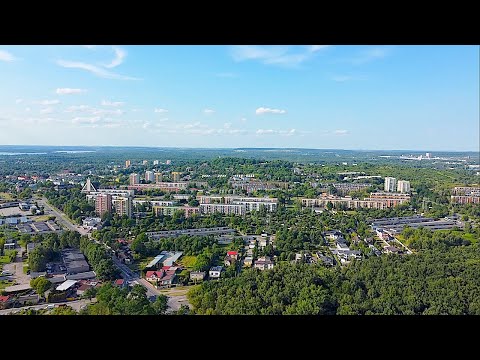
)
(471, 238)
(6, 196)
(188, 261)
(5, 283)
(4, 260)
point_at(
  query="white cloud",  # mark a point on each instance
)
(18, 101)
(290, 132)
(90, 47)
(315, 48)
(243, 120)
(93, 111)
(75, 108)
(288, 56)
(86, 120)
(341, 132)
(112, 103)
(158, 110)
(105, 112)
(6, 56)
(263, 110)
(263, 131)
(369, 55)
(98, 71)
(69, 91)
(27, 109)
(48, 110)
(208, 111)
(120, 54)
(198, 128)
(47, 102)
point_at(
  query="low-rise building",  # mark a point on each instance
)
(197, 275)
(248, 261)
(215, 272)
(263, 263)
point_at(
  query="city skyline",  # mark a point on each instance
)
(309, 96)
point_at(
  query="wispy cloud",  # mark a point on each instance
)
(243, 120)
(86, 119)
(69, 91)
(290, 132)
(6, 56)
(159, 110)
(93, 111)
(47, 102)
(315, 48)
(75, 108)
(120, 54)
(341, 132)
(48, 110)
(208, 111)
(197, 128)
(90, 47)
(112, 103)
(18, 101)
(289, 56)
(263, 110)
(94, 70)
(370, 54)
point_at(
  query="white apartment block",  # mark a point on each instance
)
(403, 186)
(390, 184)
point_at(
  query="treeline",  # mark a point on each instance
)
(49, 248)
(98, 258)
(443, 280)
(423, 238)
(113, 300)
(71, 201)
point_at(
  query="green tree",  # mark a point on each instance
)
(160, 304)
(40, 284)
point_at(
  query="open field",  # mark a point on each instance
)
(6, 196)
(5, 283)
(13, 211)
(188, 261)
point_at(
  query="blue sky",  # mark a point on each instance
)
(313, 96)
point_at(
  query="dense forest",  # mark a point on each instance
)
(442, 280)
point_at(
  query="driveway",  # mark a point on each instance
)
(16, 268)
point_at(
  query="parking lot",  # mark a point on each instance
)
(13, 211)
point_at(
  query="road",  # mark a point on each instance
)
(174, 299)
(76, 305)
(61, 217)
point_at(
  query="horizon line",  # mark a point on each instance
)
(235, 148)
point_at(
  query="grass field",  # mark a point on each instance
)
(5, 283)
(188, 261)
(4, 260)
(41, 218)
(471, 238)
(6, 196)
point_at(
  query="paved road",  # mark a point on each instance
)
(76, 305)
(61, 217)
(127, 274)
